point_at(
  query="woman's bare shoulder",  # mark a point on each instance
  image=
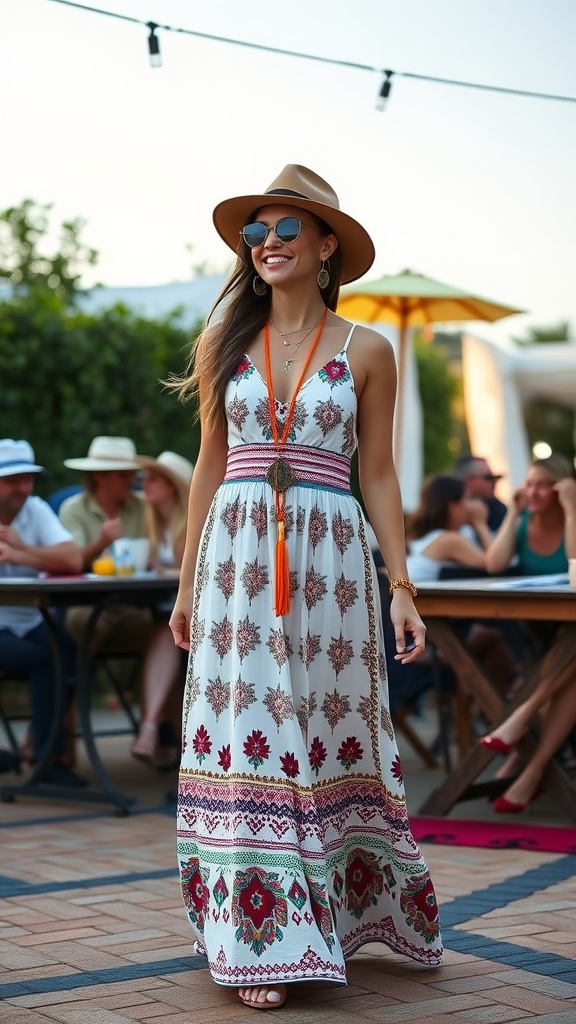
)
(367, 338)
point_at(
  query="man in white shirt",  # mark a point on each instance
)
(32, 540)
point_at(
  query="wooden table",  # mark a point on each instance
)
(441, 605)
(141, 589)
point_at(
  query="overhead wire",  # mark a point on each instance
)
(153, 26)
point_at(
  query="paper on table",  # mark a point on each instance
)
(523, 582)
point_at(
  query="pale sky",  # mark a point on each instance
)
(474, 188)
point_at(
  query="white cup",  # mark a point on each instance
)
(139, 548)
(131, 553)
(572, 572)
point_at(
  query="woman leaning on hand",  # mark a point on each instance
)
(540, 530)
(294, 844)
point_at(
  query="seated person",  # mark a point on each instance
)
(480, 481)
(166, 482)
(433, 530)
(32, 540)
(104, 511)
(540, 531)
(436, 543)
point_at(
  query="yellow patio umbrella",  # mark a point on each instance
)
(410, 300)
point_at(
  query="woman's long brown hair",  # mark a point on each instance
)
(438, 491)
(218, 350)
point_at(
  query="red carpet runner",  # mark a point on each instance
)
(496, 835)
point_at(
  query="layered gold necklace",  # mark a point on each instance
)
(288, 334)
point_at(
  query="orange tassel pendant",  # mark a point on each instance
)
(282, 574)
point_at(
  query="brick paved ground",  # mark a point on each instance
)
(92, 928)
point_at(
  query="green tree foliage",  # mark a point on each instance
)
(68, 376)
(546, 335)
(438, 392)
(23, 231)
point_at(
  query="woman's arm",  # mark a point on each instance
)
(62, 558)
(374, 370)
(208, 474)
(566, 490)
(451, 546)
(503, 548)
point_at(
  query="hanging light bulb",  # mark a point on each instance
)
(384, 91)
(154, 46)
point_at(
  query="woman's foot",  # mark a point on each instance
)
(263, 997)
(503, 739)
(495, 743)
(521, 792)
(146, 742)
(503, 804)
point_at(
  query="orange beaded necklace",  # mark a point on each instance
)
(279, 474)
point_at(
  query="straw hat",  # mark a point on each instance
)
(298, 186)
(107, 454)
(17, 457)
(175, 468)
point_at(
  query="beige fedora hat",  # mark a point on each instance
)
(174, 467)
(106, 454)
(300, 187)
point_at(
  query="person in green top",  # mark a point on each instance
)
(540, 530)
(104, 511)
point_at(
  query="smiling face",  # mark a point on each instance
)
(480, 480)
(539, 490)
(278, 262)
(113, 485)
(157, 488)
(14, 490)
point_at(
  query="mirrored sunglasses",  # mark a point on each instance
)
(287, 229)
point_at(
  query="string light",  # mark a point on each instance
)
(384, 91)
(156, 60)
(154, 46)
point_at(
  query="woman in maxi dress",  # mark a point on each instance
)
(294, 844)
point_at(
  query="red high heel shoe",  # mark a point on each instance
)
(494, 743)
(502, 805)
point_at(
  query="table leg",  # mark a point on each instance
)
(107, 791)
(459, 784)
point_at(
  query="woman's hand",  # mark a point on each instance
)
(477, 512)
(519, 499)
(180, 625)
(566, 491)
(408, 627)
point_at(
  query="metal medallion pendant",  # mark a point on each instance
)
(280, 476)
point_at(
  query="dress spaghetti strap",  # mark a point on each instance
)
(349, 338)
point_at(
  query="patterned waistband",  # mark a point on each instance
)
(310, 466)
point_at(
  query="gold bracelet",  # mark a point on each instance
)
(407, 584)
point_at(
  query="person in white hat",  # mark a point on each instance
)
(108, 508)
(32, 540)
(104, 511)
(293, 838)
(165, 483)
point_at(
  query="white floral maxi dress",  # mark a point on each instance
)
(294, 844)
